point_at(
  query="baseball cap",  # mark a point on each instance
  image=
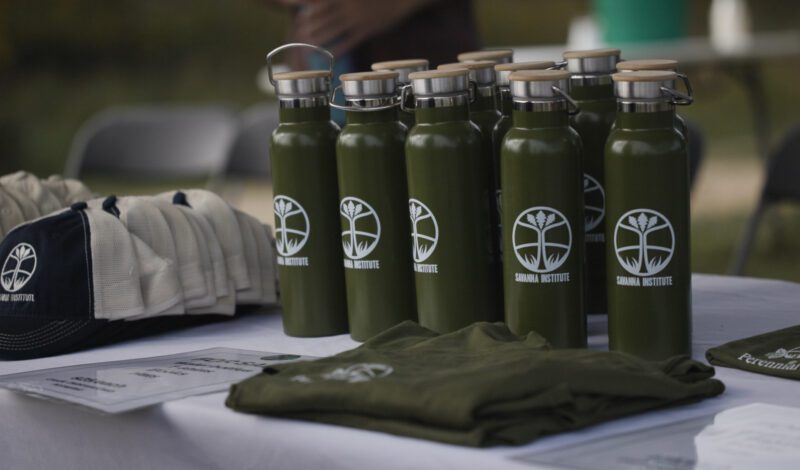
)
(67, 190)
(222, 219)
(10, 213)
(252, 295)
(203, 256)
(224, 300)
(262, 259)
(188, 252)
(65, 278)
(155, 251)
(32, 187)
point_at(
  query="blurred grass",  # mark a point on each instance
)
(62, 61)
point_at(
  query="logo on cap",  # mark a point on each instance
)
(644, 241)
(18, 267)
(363, 227)
(358, 373)
(292, 225)
(424, 230)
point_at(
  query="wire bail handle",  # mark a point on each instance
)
(680, 98)
(293, 45)
(575, 107)
(405, 93)
(344, 107)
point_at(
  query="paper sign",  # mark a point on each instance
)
(120, 386)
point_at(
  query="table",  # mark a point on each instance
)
(199, 432)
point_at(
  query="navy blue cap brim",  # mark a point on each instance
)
(31, 337)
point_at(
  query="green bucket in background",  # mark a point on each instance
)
(626, 21)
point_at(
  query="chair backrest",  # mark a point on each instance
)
(154, 142)
(783, 170)
(249, 155)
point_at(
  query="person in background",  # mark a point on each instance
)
(360, 32)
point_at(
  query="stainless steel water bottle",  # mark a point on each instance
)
(451, 223)
(592, 88)
(306, 202)
(543, 212)
(504, 100)
(403, 68)
(498, 56)
(647, 219)
(483, 112)
(659, 64)
(374, 201)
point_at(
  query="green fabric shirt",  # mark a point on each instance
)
(478, 386)
(775, 353)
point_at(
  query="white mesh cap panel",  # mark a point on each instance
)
(267, 262)
(224, 223)
(226, 305)
(28, 207)
(221, 273)
(30, 185)
(115, 271)
(161, 289)
(10, 213)
(207, 264)
(253, 294)
(67, 190)
(187, 248)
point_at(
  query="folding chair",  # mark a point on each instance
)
(154, 143)
(782, 185)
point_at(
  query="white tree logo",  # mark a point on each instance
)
(364, 227)
(782, 353)
(542, 239)
(291, 225)
(594, 202)
(424, 230)
(358, 373)
(644, 242)
(19, 267)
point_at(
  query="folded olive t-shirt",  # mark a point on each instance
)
(478, 386)
(775, 353)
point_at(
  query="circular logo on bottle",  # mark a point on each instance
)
(363, 227)
(594, 203)
(291, 225)
(424, 230)
(18, 268)
(542, 239)
(644, 242)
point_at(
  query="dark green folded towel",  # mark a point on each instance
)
(774, 353)
(479, 386)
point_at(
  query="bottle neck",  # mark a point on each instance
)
(632, 119)
(506, 101)
(367, 117)
(590, 90)
(540, 114)
(430, 110)
(314, 113)
(485, 100)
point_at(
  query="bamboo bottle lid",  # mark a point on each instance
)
(403, 67)
(495, 55)
(439, 82)
(648, 64)
(504, 70)
(539, 84)
(593, 61)
(481, 72)
(302, 82)
(369, 84)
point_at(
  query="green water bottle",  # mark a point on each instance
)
(647, 219)
(374, 199)
(306, 202)
(451, 222)
(504, 100)
(498, 56)
(592, 88)
(403, 68)
(541, 161)
(483, 112)
(660, 64)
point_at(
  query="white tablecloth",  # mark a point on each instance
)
(199, 432)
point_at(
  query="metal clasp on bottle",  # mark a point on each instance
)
(294, 45)
(679, 98)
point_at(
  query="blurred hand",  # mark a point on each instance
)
(341, 25)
